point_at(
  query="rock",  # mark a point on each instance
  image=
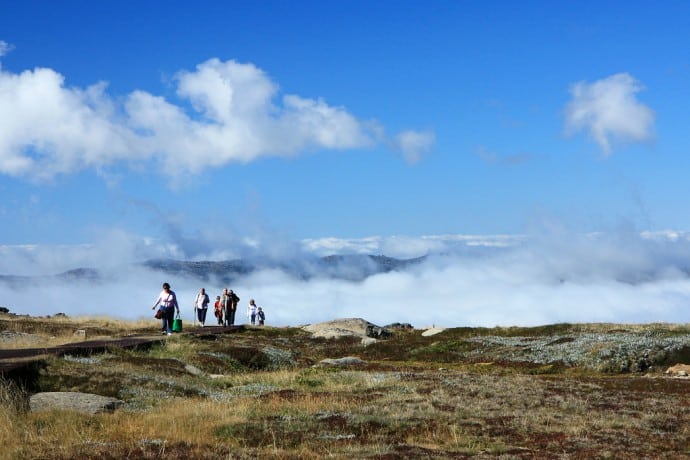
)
(86, 403)
(348, 327)
(339, 328)
(80, 333)
(432, 331)
(193, 370)
(399, 326)
(679, 370)
(366, 341)
(341, 362)
(377, 332)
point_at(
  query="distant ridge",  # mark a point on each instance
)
(355, 267)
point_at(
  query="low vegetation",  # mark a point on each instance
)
(557, 391)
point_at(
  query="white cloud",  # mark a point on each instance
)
(413, 144)
(47, 128)
(609, 111)
(5, 48)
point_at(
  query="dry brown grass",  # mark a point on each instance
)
(390, 408)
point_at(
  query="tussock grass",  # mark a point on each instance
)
(416, 398)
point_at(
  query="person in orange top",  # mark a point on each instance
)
(218, 310)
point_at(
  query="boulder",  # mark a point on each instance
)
(377, 332)
(366, 341)
(399, 326)
(339, 328)
(679, 370)
(342, 362)
(86, 403)
(432, 331)
(348, 327)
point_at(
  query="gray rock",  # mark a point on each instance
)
(432, 331)
(366, 341)
(193, 370)
(353, 327)
(341, 362)
(86, 403)
(377, 332)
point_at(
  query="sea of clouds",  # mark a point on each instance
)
(464, 280)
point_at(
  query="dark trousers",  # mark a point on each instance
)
(230, 317)
(201, 314)
(168, 318)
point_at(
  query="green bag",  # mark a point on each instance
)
(177, 324)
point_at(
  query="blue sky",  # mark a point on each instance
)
(205, 128)
(487, 83)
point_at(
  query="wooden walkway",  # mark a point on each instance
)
(13, 359)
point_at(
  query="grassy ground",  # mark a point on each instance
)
(258, 394)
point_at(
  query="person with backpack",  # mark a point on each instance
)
(201, 306)
(230, 300)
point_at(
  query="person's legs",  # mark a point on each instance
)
(232, 317)
(202, 316)
(170, 316)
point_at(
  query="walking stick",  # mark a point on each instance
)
(194, 314)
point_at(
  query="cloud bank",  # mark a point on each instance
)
(227, 112)
(609, 112)
(463, 281)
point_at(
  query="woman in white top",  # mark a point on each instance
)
(168, 303)
(201, 306)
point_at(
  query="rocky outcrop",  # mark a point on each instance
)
(349, 327)
(86, 403)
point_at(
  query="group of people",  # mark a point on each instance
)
(225, 308)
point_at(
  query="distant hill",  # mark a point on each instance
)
(356, 267)
(349, 267)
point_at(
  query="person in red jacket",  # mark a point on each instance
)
(218, 310)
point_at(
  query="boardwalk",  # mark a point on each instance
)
(13, 359)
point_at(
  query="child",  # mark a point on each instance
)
(218, 310)
(262, 316)
(251, 311)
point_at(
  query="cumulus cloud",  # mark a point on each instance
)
(608, 110)
(237, 114)
(464, 280)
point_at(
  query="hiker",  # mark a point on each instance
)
(234, 300)
(218, 310)
(230, 300)
(262, 316)
(225, 307)
(251, 311)
(168, 303)
(201, 306)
